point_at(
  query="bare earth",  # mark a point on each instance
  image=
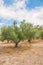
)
(23, 55)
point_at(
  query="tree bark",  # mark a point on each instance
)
(7, 41)
(16, 45)
(29, 41)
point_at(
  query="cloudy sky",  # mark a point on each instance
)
(30, 10)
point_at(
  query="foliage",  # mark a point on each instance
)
(19, 34)
(41, 34)
(25, 31)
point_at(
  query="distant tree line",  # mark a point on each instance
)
(25, 31)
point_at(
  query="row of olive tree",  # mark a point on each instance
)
(25, 31)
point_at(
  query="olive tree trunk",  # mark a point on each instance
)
(29, 41)
(16, 45)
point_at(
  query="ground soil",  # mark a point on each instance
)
(25, 54)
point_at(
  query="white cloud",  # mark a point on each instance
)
(6, 13)
(17, 4)
(1, 2)
(18, 11)
(1, 24)
(13, 10)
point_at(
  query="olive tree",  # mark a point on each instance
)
(41, 34)
(19, 36)
(27, 29)
(6, 33)
(12, 33)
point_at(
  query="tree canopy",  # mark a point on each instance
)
(25, 31)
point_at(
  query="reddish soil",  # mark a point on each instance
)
(25, 54)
